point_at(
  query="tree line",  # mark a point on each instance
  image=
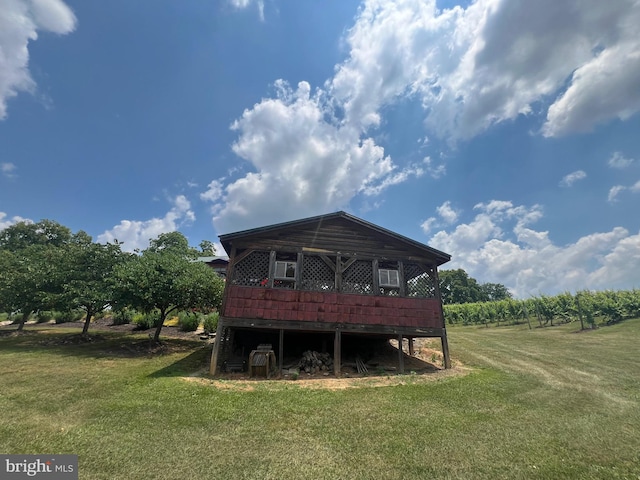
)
(44, 266)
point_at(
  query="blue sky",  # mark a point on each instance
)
(502, 132)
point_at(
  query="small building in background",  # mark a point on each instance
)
(219, 264)
(327, 277)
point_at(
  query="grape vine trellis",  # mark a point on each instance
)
(589, 307)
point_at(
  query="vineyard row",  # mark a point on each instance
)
(591, 308)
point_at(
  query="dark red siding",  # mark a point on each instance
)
(280, 304)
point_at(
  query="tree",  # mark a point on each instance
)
(172, 242)
(86, 271)
(28, 253)
(207, 246)
(456, 286)
(165, 278)
(492, 292)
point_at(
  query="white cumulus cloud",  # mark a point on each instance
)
(447, 213)
(8, 169)
(573, 64)
(500, 245)
(573, 177)
(20, 21)
(305, 163)
(616, 190)
(7, 222)
(135, 234)
(618, 160)
(475, 67)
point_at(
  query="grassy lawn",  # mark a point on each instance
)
(546, 403)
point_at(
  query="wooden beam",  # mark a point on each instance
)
(403, 283)
(445, 349)
(272, 268)
(389, 331)
(443, 337)
(216, 348)
(411, 352)
(337, 345)
(329, 263)
(299, 263)
(348, 263)
(400, 355)
(281, 351)
(376, 277)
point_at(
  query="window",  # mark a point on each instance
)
(388, 278)
(285, 270)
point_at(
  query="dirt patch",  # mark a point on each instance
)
(242, 383)
(75, 339)
(424, 366)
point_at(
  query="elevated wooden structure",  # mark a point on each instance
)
(331, 273)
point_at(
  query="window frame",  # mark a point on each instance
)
(387, 272)
(287, 264)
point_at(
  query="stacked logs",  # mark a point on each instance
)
(314, 362)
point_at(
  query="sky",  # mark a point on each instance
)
(502, 132)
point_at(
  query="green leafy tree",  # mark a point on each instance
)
(456, 286)
(28, 254)
(172, 242)
(493, 292)
(86, 271)
(207, 247)
(164, 278)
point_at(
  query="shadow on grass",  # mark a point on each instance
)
(192, 363)
(93, 345)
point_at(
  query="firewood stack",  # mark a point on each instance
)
(314, 362)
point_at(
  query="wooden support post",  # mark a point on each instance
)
(216, 347)
(411, 352)
(443, 337)
(400, 355)
(281, 351)
(445, 349)
(337, 345)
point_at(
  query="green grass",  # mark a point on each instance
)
(546, 403)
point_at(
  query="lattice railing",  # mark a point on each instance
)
(252, 271)
(419, 281)
(317, 275)
(358, 278)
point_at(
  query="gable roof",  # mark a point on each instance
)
(316, 224)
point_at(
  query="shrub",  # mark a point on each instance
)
(188, 322)
(68, 316)
(211, 322)
(44, 316)
(145, 321)
(123, 316)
